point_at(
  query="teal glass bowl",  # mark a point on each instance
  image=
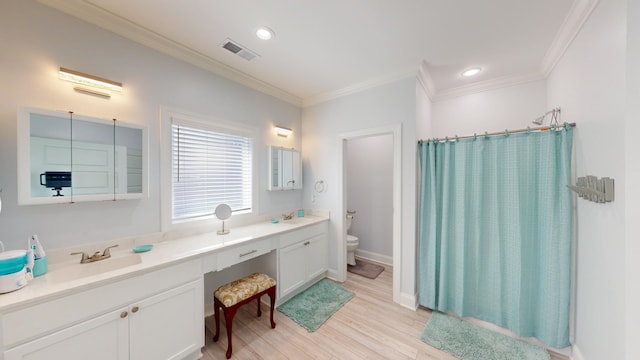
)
(142, 248)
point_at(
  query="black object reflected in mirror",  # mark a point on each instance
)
(56, 180)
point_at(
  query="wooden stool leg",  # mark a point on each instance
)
(216, 315)
(272, 296)
(229, 313)
(259, 310)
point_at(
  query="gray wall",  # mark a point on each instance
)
(369, 171)
(590, 84)
(386, 105)
(36, 41)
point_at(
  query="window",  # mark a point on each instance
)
(209, 168)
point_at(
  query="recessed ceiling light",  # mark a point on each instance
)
(471, 72)
(264, 33)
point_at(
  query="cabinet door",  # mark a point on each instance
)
(291, 268)
(317, 256)
(296, 169)
(291, 169)
(275, 168)
(288, 182)
(285, 168)
(103, 338)
(169, 325)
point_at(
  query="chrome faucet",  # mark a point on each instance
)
(96, 256)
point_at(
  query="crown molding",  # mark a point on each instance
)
(576, 17)
(578, 14)
(121, 26)
(492, 84)
(355, 88)
(426, 81)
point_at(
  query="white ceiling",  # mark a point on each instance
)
(324, 49)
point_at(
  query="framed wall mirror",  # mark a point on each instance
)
(66, 157)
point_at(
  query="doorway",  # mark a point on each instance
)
(393, 213)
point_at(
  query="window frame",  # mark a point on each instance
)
(168, 116)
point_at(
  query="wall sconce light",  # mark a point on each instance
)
(283, 131)
(90, 83)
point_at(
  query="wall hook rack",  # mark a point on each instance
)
(593, 189)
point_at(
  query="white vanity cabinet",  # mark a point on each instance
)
(165, 326)
(102, 338)
(302, 257)
(158, 315)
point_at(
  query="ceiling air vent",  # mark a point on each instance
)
(239, 50)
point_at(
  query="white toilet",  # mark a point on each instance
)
(352, 241)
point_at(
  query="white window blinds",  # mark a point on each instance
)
(209, 168)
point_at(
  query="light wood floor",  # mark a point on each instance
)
(370, 326)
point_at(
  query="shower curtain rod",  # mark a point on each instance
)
(542, 128)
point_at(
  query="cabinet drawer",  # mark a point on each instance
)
(39, 319)
(243, 252)
(307, 232)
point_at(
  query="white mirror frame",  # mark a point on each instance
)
(24, 160)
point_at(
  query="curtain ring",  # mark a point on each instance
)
(528, 129)
(506, 132)
(486, 135)
(446, 139)
(475, 136)
(457, 138)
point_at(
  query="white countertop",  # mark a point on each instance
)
(68, 277)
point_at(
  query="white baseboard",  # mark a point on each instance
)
(379, 258)
(332, 274)
(576, 354)
(409, 301)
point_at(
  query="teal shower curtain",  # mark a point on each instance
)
(495, 227)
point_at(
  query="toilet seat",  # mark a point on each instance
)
(352, 239)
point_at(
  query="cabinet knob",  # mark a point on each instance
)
(307, 243)
(135, 309)
(123, 314)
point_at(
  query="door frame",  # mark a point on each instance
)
(396, 131)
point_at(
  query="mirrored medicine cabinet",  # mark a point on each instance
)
(67, 157)
(285, 168)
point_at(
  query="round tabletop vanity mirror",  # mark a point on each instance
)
(223, 212)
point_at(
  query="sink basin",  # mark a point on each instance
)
(78, 271)
(296, 221)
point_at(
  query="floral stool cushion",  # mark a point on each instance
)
(238, 290)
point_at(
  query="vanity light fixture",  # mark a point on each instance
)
(471, 72)
(90, 83)
(283, 131)
(264, 33)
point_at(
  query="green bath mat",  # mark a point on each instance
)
(470, 342)
(312, 307)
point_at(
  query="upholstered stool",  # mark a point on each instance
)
(231, 296)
